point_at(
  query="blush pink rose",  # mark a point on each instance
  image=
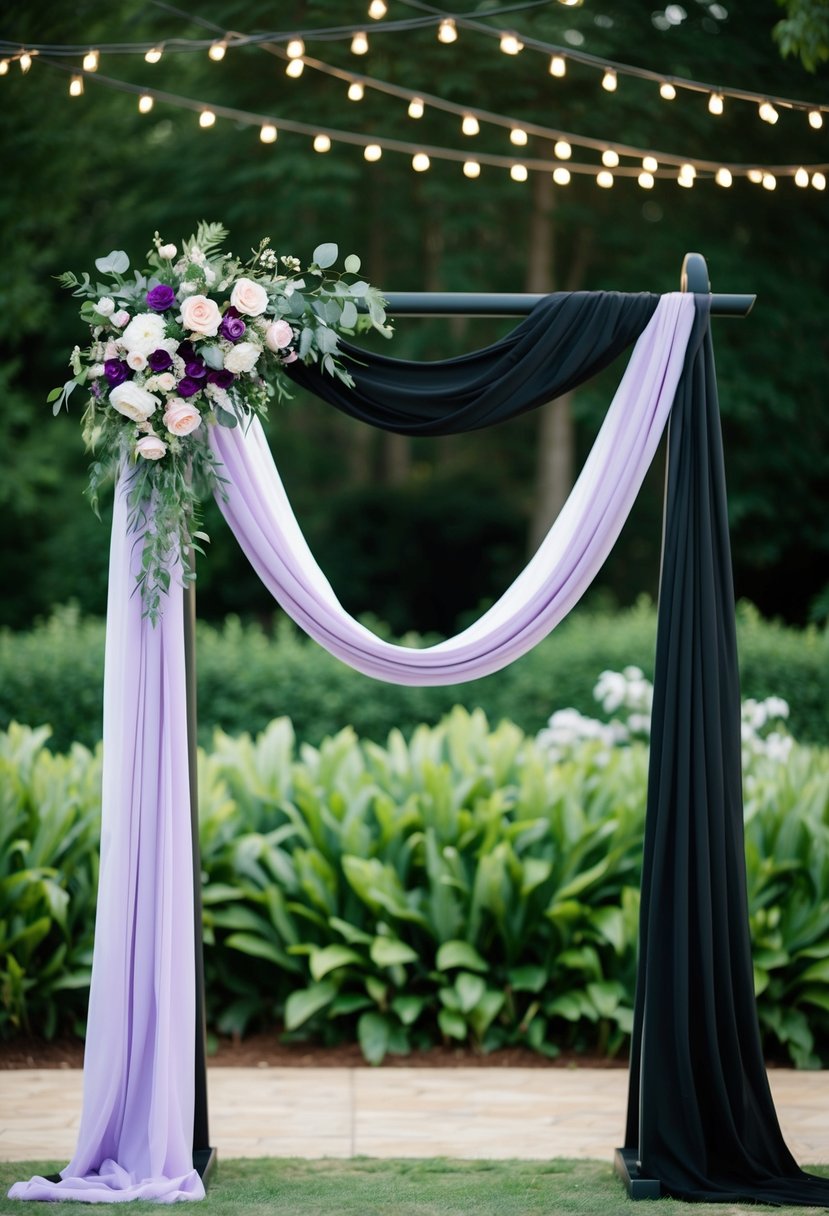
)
(201, 315)
(249, 298)
(278, 335)
(120, 318)
(150, 447)
(180, 418)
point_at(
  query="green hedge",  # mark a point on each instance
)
(53, 674)
(456, 887)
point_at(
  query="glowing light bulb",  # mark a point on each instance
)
(268, 133)
(356, 92)
(610, 158)
(511, 45)
(687, 171)
(645, 180)
(90, 61)
(207, 118)
(359, 43)
(295, 68)
(322, 143)
(145, 103)
(769, 181)
(558, 66)
(815, 119)
(153, 55)
(518, 137)
(295, 48)
(377, 10)
(25, 62)
(420, 162)
(518, 173)
(755, 176)
(76, 86)
(217, 51)
(715, 103)
(609, 81)
(562, 149)
(561, 176)
(604, 179)
(416, 108)
(4, 67)
(767, 112)
(471, 168)
(470, 125)
(819, 181)
(650, 164)
(723, 177)
(801, 178)
(447, 30)
(372, 152)
(667, 91)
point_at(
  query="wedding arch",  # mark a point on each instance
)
(701, 1122)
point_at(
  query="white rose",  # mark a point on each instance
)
(120, 318)
(167, 251)
(97, 370)
(133, 401)
(278, 335)
(248, 297)
(105, 307)
(136, 360)
(201, 315)
(242, 357)
(186, 288)
(166, 382)
(144, 333)
(111, 350)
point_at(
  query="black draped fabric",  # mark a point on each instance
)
(567, 338)
(700, 1110)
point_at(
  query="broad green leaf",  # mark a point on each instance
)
(452, 1024)
(459, 954)
(408, 1008)
(374, 1033)
(470, 988)
(389, 951)
(258, 947)
(330, 958)
(528, 978)
(302, 1005)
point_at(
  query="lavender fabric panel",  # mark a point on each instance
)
(136, 1133)
(260, 515)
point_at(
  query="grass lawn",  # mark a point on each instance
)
(435, 1187)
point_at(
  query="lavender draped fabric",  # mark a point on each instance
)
(573, 551)
(136, 1134)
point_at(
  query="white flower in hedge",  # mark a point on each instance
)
(133, 401)
(610, 690)
(105, 307)
(144, 333)
(150, 447)
(249, 298)
(242, 358)
(201, 315)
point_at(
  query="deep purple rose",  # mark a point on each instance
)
(222, 379)
(195, 369)
(160, 360)
(186, 350)
(188, 387)
(116, 371)
(232, 328)
(160, 298)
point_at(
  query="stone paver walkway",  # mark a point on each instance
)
(397, 1112)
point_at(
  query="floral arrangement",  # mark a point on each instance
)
(197, 338)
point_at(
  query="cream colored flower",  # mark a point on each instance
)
(180, 418)
(133, 401)
(201, 315)
(249, 298)
(144, 333)
(151, 447)
(242, 357)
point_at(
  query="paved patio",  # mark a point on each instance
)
(397, 1112)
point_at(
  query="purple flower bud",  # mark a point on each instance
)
(116, 371)
(232, 328)
(188, 387)
(195, 369)
(160, 298)
(222, 379)
(160, 360)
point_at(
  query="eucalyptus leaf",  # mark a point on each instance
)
(116, 262)
(352, 263)
(325, 255)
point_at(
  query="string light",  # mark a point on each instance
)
(561, 176)
(217, 51)
(667, 91)
(76, 86)
(145, 103)
(447, 31)
(471, 168)
(372, 152)
(295, 48)
(153, 55)
(818, 181)
(604, 179)
(610, 158)
(268, 133)
(650, 164)
(207, 118)
(511, 45)
(686, 176)
(295, 68)
(416, 108)
(801, 178)
(755, 176)
(769, 181)
(322, 143)
(359, 43)
(715, 103)
(518, 136)
(723, 177)
(90, 61)
(25, 62)
(420, 162)
(4, 67)
(767, 112)
(815, 119)
(518, 173)
(377, 10)
(558, 66)
(609, 81)
(645, 180)
(562, 149)
(356, 92)
(470, 125)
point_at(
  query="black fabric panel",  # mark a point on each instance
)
(708, 1129)
(567, 338)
